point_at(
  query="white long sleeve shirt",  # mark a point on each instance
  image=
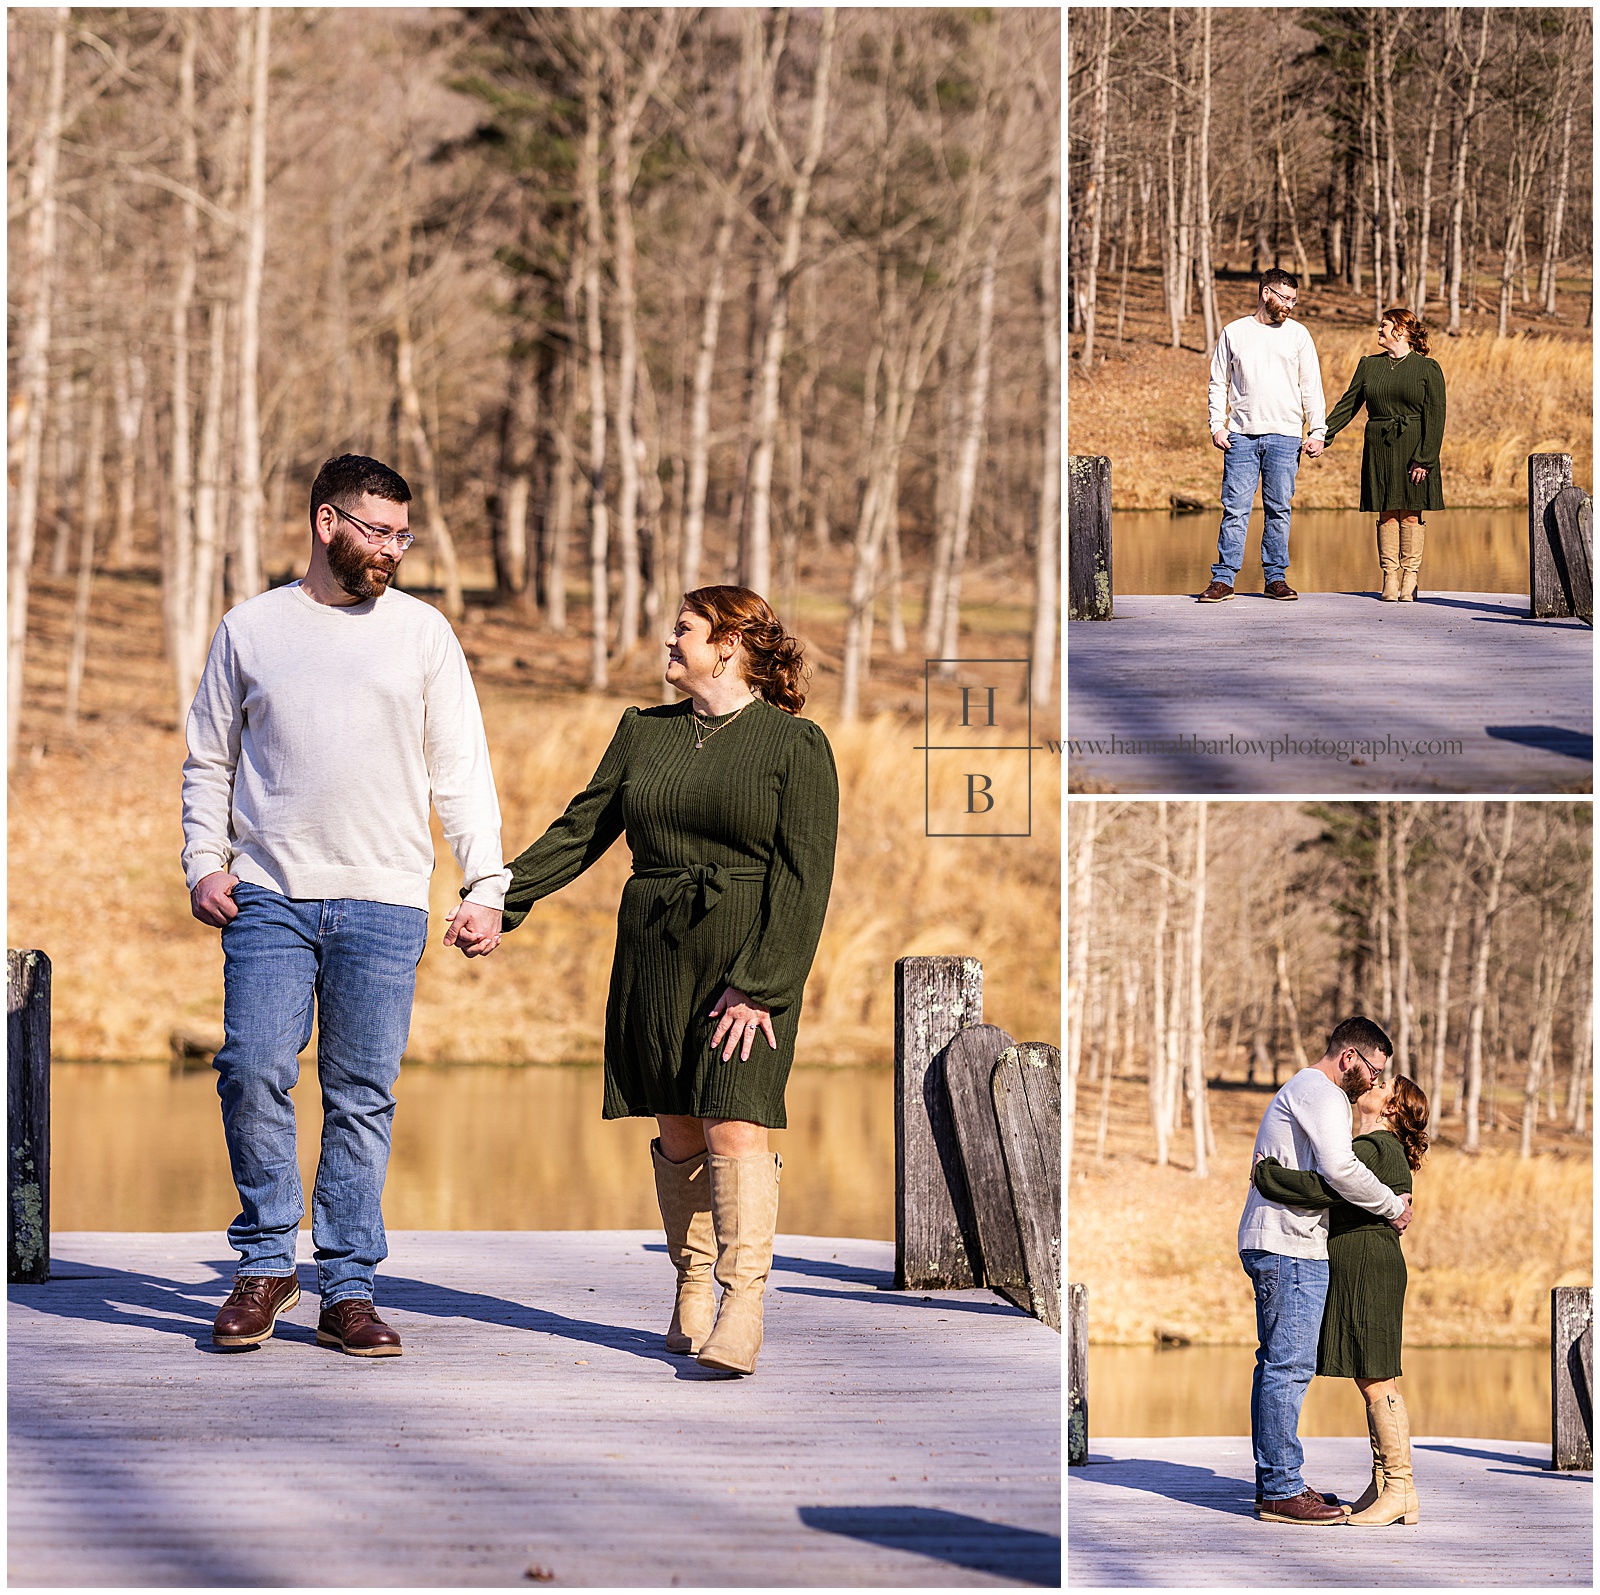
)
(1266, 379)
(1307, 1127)
(317, 737)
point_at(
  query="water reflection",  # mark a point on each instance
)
(1491, 1393)
(1467, 551)
(139, 1147)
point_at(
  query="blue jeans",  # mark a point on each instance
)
(1290, 1292)
(358, 961)
(1273, 461)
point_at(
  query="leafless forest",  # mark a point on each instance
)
(1223, 941)
(636, 299)
(1438, 157)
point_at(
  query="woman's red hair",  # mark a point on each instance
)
(774, 663)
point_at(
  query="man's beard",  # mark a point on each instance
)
(1353, 1082)
(356, 568)
(1276, 314)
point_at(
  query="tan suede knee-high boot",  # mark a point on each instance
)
(744, 1210)
(1410, 560)
(1399, 1498)
(1389, 559)
(1375, 1485)
(683, 1193)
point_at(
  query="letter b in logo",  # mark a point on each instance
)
(978, 799)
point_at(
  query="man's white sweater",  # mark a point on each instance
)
(1307, 1127)
(318, 735)
(1266, 379)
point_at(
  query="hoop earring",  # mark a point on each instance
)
(718, 668)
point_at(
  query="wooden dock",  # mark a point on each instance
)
(1180, 1513)
(534, 1431)
(1458, 692)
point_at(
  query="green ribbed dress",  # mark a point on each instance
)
(1364, 1319)
(1405, 426)
(733, 860)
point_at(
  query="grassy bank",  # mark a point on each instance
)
(95, 837)
(1145, 404)
(1157, 1247)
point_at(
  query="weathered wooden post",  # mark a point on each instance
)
(27, 1117)
(935, 1237)
(1560, 541)
(1572, 1377)
(1089, 589)
(1026, 1086)
(1077, 1376)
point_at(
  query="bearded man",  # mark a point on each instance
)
(329, 713)
(1285, 1252)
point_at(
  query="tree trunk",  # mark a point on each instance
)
(1391, 28)
(1208, 286)
(1171, 270)
(1077, 966)
(93, 501)
(1158, 1034)
(34, 370)
(1480, 980)
(1197, 1017)
(210, 491)
(246, 569)
(599, 527)
(1403, 822)
(128, 391)
(694, 514)
(1441, 1000)
(1458, 186)
(1419, 284)
(757, 573)
(1045, 578)
(443, 544)
(1095, 197)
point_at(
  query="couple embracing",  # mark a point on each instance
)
(1266, 384)
(1320, 1240)
(330, 714)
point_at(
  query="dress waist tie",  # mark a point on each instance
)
(694, 890)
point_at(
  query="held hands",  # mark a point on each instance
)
(1399, 1224)
(741, 1020)
(1312, 447)
(474, 928)
(211, 901)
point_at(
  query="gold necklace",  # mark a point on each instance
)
(703, 734)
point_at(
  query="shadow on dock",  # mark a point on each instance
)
(953, 1537)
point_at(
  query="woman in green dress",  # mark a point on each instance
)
(1363, 1319)
(730, 805)
(1403, 391)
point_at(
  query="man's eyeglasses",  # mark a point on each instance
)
(378, 536)
(1286, 302)
(1374, 1073)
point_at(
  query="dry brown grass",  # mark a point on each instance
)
(95, 839)
(1508, 397)
(1157, 1248)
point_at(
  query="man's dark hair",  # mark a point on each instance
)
(344, 479)
(1276, 277)
(1361, 1034)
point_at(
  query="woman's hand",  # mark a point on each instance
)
(741, 1020)
(1419, 475)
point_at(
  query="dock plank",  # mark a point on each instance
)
(1339, 668)
(894, 1438)
(1179, 1513)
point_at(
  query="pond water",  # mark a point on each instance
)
(1488, 1392)
(1466, 551)
(138, 1146)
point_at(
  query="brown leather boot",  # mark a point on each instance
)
(248, 1315)
(355, 1327)
(744, 1210)
(683, 1193)
(1389, 559)
(1399, 1498)
(1375, 1485)
(1308, 1508)
(1411, 538)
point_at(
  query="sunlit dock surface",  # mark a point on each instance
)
(1235, 697)
(1180, 1513)
(535, 1422)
